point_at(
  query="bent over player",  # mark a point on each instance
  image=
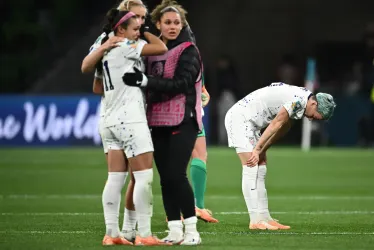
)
(273, 107)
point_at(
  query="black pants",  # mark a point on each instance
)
(173, 148)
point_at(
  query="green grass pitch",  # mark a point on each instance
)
(51, 199)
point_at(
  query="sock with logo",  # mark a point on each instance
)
(111, 200)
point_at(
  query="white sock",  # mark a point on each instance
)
(190, 225)
(129, 220)
(143, 201)
(175, 226)
(263, 207)
(111, 201)
(249, 189)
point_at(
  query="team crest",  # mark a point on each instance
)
(157, 68)
(132, 44)
(296, 106)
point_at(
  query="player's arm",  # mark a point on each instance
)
(154, 47)
(186, 73)
(90, 61)
(277, 127)
(282, 131)
(98, 87)
(205, 97)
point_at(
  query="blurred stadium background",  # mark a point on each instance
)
(52, 169)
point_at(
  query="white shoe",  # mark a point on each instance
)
(129, 235)
(191, 239)
(174, 237)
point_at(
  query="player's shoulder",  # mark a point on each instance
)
(302, 93)
(97, 42)
(131, 43)
(100, 37)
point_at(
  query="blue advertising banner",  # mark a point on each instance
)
(49, 120)
(52, 120)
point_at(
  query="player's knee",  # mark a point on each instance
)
(132, 182)
(132, 178)
(205, 156)
(262, 160)
(244, 156)
(172, 178)
(202, 157)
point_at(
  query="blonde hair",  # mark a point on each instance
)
(166, 6)
(126, 5)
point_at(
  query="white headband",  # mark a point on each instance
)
(169, 8)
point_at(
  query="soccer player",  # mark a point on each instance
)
(273, 107)
(198, 171)
(129, 218)
(125, 124)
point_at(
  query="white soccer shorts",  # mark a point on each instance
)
(133, 138)
(240, 133)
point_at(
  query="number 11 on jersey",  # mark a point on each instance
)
(111, 87)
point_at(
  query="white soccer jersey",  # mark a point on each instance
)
(261, 106)
(97, 43)
(123, 104)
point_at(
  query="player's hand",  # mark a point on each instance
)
(112, 42)
(205, 97)
(143, 28)
(253, 160)
(135, 79)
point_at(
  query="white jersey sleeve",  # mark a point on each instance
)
(97, 43)
(296, 108)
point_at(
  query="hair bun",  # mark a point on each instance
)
(111, 15)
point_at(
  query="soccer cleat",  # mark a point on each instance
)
(174, 237)
(150, 241)
(275, 223)
(129, 235)
(262, 225)
(109, 241)
(205, 215)
(191, 239)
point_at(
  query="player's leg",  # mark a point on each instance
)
(254, 194)
(262, 195)
(198, 173)
(161, 140)
(129, 218)
(179, 156)
(111, 199)
(241, 137)
(139, 150)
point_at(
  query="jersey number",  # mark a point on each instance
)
(111, 87)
